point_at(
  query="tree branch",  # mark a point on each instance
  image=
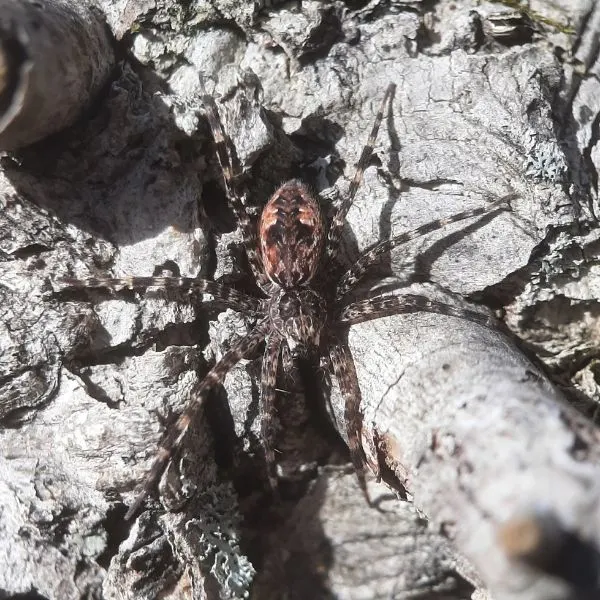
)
(54, 57)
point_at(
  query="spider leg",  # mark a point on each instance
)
(370, 257)
(231, 171)
(225, 295)
(337, 224)
(386, 305)
(267, 403)
(345, 372)
(176, 434)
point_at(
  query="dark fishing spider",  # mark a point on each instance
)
(301, 310)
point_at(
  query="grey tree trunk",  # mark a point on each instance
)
(485, 435)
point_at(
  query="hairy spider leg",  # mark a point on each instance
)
(177, 432)
(223, 294)
(339, 218)
(268, 393)
(385, 305)
(231, 171)
(373, 255)
(342, 364)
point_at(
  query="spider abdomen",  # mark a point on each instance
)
(291, 235)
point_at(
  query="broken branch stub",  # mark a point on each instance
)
(489, 450)
(54, 57)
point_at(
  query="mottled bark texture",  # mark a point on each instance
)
(500, 472)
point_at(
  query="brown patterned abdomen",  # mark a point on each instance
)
(291, 235)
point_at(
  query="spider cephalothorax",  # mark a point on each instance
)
(291, 249)
(299, 316)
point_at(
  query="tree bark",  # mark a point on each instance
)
(469, 423)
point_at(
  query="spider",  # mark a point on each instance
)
(291, 253)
